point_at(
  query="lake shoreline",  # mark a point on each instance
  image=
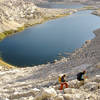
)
(74, 54)
(59, 13)
(26, 83)
(85, 57)
(62, 13)
(36, 16)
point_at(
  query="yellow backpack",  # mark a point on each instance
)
(59, 79)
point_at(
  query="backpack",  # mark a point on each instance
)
(59, 79)
(79, 76)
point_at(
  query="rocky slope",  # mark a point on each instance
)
(25, 91)
(17, 14)
(89, 91)
(41, 82)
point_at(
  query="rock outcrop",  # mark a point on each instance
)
(97, 12)
(89, 91)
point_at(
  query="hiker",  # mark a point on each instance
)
(62, 82)
(81, 76)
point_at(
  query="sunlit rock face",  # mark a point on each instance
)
(14, 13)
(90, 90)
(19, 13)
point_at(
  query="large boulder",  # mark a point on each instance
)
(91, 86)
(71, 91)
(74, 84)
(72, 96)
(96, 79)
(68, 96)
(35, 91)
(46, 93)
(59, 97)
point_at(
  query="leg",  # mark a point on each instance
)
(61, 86)
(66, 85)
(81, 82)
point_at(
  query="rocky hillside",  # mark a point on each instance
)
(68, 1)
(41, 82)
(26, 90)
(17, 14)
(89, 91)
(13, 13)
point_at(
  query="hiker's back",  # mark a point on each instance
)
(59, 79)
(79, 76)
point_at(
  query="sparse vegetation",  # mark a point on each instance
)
(2, 36)
(5, 65)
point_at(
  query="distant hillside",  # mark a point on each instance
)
(15, 15)
(67, 1)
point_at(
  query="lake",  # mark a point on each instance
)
(44, 43)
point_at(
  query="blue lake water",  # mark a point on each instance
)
(43, 43)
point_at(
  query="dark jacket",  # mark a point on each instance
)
(62, 79)
(80, 76)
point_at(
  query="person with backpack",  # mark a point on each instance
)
(62, 82)
(81, 76)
